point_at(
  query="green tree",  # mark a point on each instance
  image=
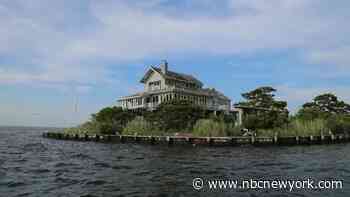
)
(327, 107)
(323, 106)
(176, 116)
(112, 119)
(262, 111)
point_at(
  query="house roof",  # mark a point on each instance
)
(171, 75)
(214, 92)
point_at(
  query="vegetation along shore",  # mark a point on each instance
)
(264, 116)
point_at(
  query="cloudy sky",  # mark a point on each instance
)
(62, 60)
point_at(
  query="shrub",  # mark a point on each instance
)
(140, 126)
(112, 119)
(175, 115)
(339, 124)
(89, 127)
(73, 131)
(215, 128)
(209, 128)
(233, 130)
(299, 127)
(267, 132)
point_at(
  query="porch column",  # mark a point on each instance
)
(240, 116)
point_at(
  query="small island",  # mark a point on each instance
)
(176, 105)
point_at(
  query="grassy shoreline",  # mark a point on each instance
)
(214, 128)
(264, 116)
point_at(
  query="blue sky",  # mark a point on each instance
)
(54, 54)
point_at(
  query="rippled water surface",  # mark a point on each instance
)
(33, 166)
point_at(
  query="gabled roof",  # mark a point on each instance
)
(171, 75)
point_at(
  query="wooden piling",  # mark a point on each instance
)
(209, 141)
(275, 139)
(152, 140)
(170, 140)
(121, 139)
(332, 138)
(304, 140)
(97, 138)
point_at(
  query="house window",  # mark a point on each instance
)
(154, 85)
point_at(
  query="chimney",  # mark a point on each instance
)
(164, 66)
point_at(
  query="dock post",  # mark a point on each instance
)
(188, 140)
(153, 140)
(297, 139)
(332, 137)
(252, 140)
(340, 138)
(136, 138)
(209, 141)
(275, 139)
(311, 139)
(169, 140)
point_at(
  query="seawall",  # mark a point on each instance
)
(205, 141)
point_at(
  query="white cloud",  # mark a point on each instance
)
(60, 39)
(60, 43)
(338, 56)
(131, 32)
(296, 96)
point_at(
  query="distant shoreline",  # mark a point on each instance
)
(34, 127)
